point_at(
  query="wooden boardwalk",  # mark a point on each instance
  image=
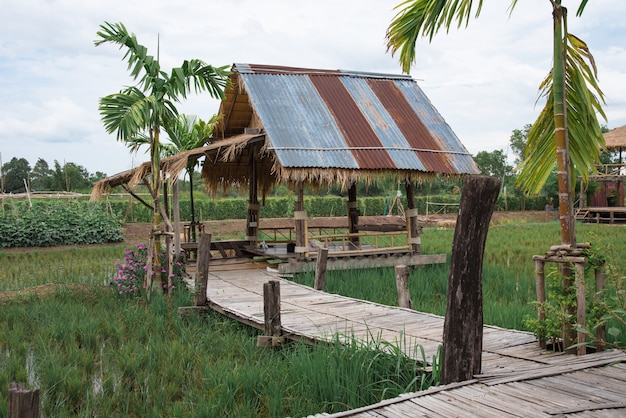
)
(518, 378)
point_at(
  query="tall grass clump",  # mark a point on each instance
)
(509, 293)
(93, 353)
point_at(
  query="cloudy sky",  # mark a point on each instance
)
(483, 79)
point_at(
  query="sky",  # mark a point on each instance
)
(483, 79)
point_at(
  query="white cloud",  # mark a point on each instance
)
(483, 78)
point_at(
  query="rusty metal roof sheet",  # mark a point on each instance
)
(343, 120)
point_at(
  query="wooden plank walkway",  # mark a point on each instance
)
(518, 378)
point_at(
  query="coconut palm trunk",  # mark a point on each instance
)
(566, 209)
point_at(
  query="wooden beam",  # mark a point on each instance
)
(365, 262)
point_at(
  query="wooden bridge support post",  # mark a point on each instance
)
(463, 324)
(320, 269)
(202, 275)
(353, 217)
(413, 230)
(540, 286)
(601, 330)
(402, 285)
(23, 403)
(271, 310)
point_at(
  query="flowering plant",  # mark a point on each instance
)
(131, 273)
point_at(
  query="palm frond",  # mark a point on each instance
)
(136, 54)
(417, 18)
(583, 96)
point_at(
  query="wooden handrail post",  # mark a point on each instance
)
(320, 268)
(581, 309)
(271, 310)
(463, 324)
(540, 287)
(402, 285)
(600, 283)
(23, 403)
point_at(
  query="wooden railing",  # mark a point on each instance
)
(362, 242)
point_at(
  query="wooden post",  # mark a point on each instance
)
(402, 285)
(353, 217)
(176, 205)
(300, 224)
(271, 310)
(412, 227)
(540, 287)
(252, 223)
(23, 403)
(320, 268)
(568, 331)
(601, 331)
(202, 275)
(581, 312)
(463, 325)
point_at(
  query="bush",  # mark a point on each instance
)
(53, 223)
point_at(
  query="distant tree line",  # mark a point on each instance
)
(68, 177)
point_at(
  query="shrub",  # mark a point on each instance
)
(131, 273)
(57, 223)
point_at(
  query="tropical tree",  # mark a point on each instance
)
(150, 105)
(186, 133)
(567, 129)
(15, 174)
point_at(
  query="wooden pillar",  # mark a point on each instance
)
(412, 228)
(540, 287)
(581, 310)
(202, 275)
(176, 204)
(320, 269)
(402, 285)
(300, 223)
(23, 403)
(271, 310)
(569, 331)
(601, 330)
(353, 217)
(463, 325)
(252, 222)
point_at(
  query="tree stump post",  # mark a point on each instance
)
(463, 325)
(271, 310)
(23, 403)
(600, 283)
(320, 269)
(202, 275)
(402, 285)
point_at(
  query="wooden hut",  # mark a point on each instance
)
(607, 202)
(319, 127)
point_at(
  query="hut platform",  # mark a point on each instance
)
(604, 215)
(518, 377)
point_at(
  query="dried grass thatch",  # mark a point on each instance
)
(172, 166)
(616, 138)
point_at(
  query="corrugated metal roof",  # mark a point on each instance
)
(344, 120)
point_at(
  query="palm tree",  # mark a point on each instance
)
(567, 129)
(186, 133)
(150, 105)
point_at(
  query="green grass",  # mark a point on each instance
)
(508, 270)
(93, 353)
